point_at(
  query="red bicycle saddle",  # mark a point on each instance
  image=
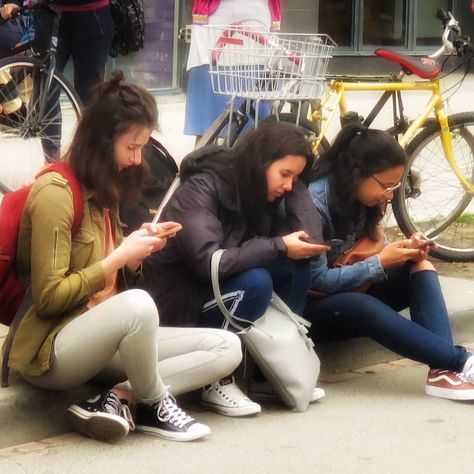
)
(425, 68)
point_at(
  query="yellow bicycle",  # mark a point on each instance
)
(435, 196)
(436, 193)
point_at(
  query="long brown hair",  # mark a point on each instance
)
(117, 107)
(259, 149)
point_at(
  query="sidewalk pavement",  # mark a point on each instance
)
(375, 418)
(371, 423)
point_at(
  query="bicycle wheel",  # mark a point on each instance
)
(431, 199)
(218, 134)
(33, 134)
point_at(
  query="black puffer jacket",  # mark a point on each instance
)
(207, 205)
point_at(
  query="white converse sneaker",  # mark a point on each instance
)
(226, 398)
(264, 392)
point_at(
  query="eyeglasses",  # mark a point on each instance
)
(387, 189)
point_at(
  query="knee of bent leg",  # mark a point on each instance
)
(260, 284)
(421, 266)
(140, 307)
(228, 349)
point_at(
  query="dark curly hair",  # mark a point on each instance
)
(117, 106)
(356, 154)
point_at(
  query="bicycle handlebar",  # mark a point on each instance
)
(460, 45)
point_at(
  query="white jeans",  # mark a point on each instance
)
(122, 337)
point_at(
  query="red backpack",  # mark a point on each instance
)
(11, 212)
(13, 305)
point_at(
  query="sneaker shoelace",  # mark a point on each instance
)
(460, 375)
(468, 370)
(168, 411)
(231, 392)
(114, 406)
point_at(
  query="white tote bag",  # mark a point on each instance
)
(279, 345)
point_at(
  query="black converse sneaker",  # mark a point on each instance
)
(166, 419)
(103, 417)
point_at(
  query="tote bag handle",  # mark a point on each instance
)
(276, 300)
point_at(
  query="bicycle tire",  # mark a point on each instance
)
(431, 199)
(25, 141)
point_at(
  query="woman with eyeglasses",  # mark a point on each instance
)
(350, 188)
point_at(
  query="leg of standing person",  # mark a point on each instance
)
(10, 35)
(128, 324)
(91, 40)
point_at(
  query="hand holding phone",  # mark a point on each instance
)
(168, 232)
(423, 243)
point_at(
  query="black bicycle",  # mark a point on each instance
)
(38, 106)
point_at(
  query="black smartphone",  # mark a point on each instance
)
(333, 242)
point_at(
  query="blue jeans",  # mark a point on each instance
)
(248, 294)
(426, 338)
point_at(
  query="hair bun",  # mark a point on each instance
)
(117, 79)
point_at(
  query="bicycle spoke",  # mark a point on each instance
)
(26, 139)
(436, 203)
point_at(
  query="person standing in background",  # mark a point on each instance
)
(10, 32)
(86, 31)
(202, 105)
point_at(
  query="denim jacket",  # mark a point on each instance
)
(324, 276)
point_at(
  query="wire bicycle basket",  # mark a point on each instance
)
(256, 64)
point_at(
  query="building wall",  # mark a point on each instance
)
(161, 65)
(155, 67)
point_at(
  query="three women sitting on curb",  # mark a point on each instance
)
(253, 201)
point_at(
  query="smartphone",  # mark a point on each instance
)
(170, 231)
(333, 242)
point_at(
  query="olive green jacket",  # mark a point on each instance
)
(63, 273)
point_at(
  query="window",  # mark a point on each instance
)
(384, 23)
(335, 19)
(428, 27)
(362, 25)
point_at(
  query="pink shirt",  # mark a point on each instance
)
(202, 9)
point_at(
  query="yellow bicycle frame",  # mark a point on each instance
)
(337, 93)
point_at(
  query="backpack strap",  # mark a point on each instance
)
(78, 203)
